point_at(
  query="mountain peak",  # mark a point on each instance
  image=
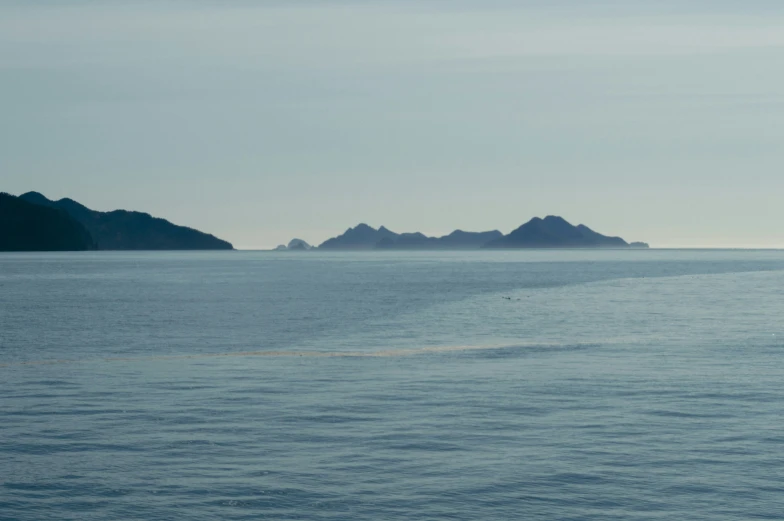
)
(297, 245)
(555, 232)
(36, 198)
(360, 237)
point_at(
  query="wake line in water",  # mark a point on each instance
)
(556, 346)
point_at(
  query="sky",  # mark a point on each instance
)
(260, 121)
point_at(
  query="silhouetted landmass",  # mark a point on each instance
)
(550, 232)
(295, 245)
(364, 237)
(461, 239)
(127, 230)
(457, 240)
(298, 245)
(555, 232)
(361, 237)
(25, 226)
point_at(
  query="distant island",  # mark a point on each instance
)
(550, 232)
(364, 237)
(116, 230)
(295, 245)
(30, 227)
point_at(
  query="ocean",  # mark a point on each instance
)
(569, 385)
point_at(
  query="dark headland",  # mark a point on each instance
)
(550, 232)
(31, 227)
(116, 230)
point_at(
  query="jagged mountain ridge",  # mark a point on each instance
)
(549, 232)
(364, 237)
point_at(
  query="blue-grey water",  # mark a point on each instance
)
(568, 385)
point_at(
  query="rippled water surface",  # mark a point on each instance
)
(588, 385)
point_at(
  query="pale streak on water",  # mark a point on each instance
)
(321, 354)
(504, 385)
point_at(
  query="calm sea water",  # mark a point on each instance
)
(591, 385)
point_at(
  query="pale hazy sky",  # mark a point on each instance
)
(263, 120)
